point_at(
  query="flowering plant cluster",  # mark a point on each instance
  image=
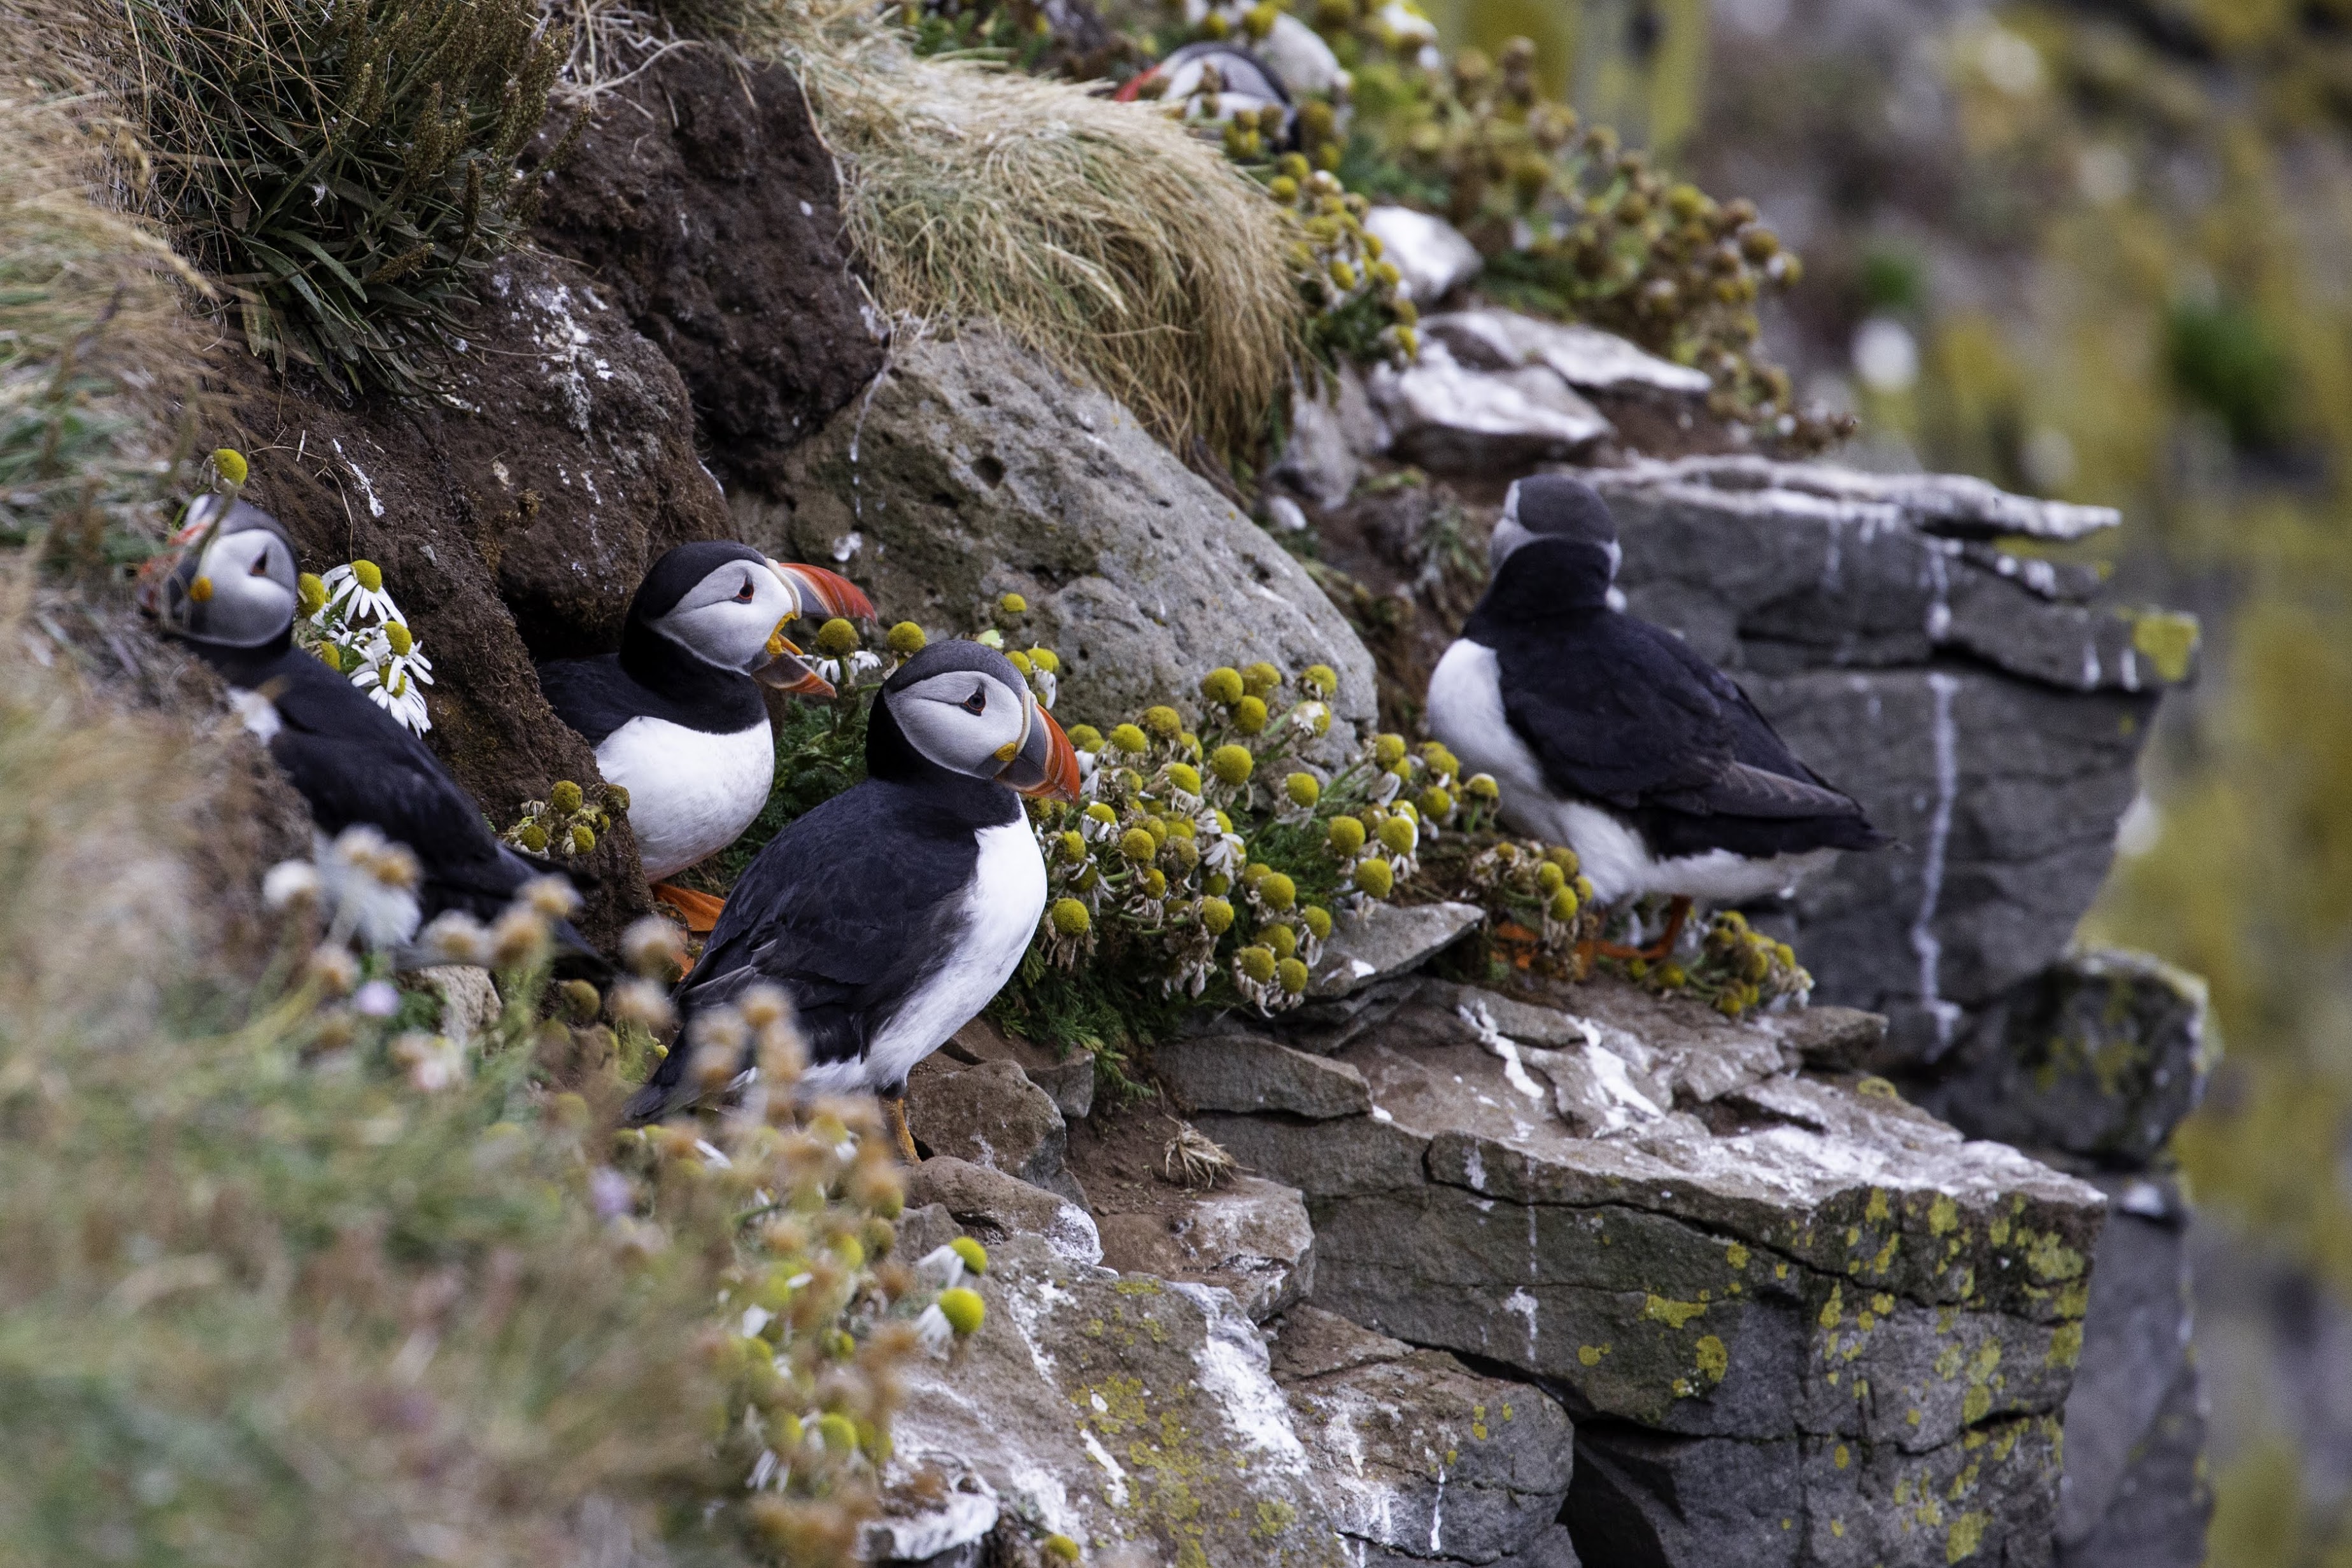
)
(349, 621)
(817, 1311)
(566, 824)
(814, 1311)
(1736, 969)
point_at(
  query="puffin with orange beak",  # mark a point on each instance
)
(893, 913)
(676, 715)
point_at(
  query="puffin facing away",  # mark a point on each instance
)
(232, 598)
(676, 715)
(894, 912)
(1609, 736)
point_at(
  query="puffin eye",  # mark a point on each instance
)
(743, 595)
(977, 702)
(260, 564)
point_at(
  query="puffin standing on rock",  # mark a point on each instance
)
(1609, 736)
(892, 914)
(676, 715)
(232, 597)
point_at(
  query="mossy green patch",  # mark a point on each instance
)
(1674, 1314)
(1713, 1359)
(2167, 641)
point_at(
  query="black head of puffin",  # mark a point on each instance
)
(962, 706)
(1579, 552)
(233, 583)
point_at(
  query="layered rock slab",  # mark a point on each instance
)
(1695, 1244)
(707, 205)
(1423, 1458)
(971, 469)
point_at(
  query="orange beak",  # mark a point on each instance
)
(786, 673)
(828, 591)
(1047, 767)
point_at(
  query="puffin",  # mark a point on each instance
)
(1244, 80)
(1609, 736)
(675, 715)
(232, 597)
(891, 913)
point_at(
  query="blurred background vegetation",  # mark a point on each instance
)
(2103, 251)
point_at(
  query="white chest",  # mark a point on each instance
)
(691, 794)
(998, 919)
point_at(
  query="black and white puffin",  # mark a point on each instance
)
(1609, 736)
(894, 912)
(676, 715)
(232, 597)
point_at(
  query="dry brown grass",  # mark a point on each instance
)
(1101, 235)
(96, 353)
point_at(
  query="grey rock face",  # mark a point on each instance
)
(1584, 357)
(1957, 505)
(992, 1115)
(993, 1207)
(2100, 1055)
(1986, 710)
(1329, 439)
(2134, 1492)
(970, 470)
(1450, 418)
(1431, 252)
(1119, 1408)
(1764, 1296)
(1384, 940)
(1250, 1235)
(1422, 1456)
(1244, 1072)
(1644, 1499)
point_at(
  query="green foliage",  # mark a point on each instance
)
(345, 170)
(2223, 356)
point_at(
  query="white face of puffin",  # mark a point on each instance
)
(965, 720)
(728, 616)
(243, 592)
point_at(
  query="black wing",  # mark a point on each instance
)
(1621, 711)
(592, 696)
(1609, 714)
(846, 911)
(355, 763)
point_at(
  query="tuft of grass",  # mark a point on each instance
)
(345, 170)
(1101, 235)
(94, 349)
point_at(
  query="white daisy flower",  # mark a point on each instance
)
(936, 1334)
(395, 676)
(355, 593)
(370, 884)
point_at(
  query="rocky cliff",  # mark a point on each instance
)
(1532, 1274)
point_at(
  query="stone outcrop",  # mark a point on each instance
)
(971, 469)
(2098, 1056)
(1764, 1295)
(1114, 1408)
(707, 206)
(2136, 1494)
